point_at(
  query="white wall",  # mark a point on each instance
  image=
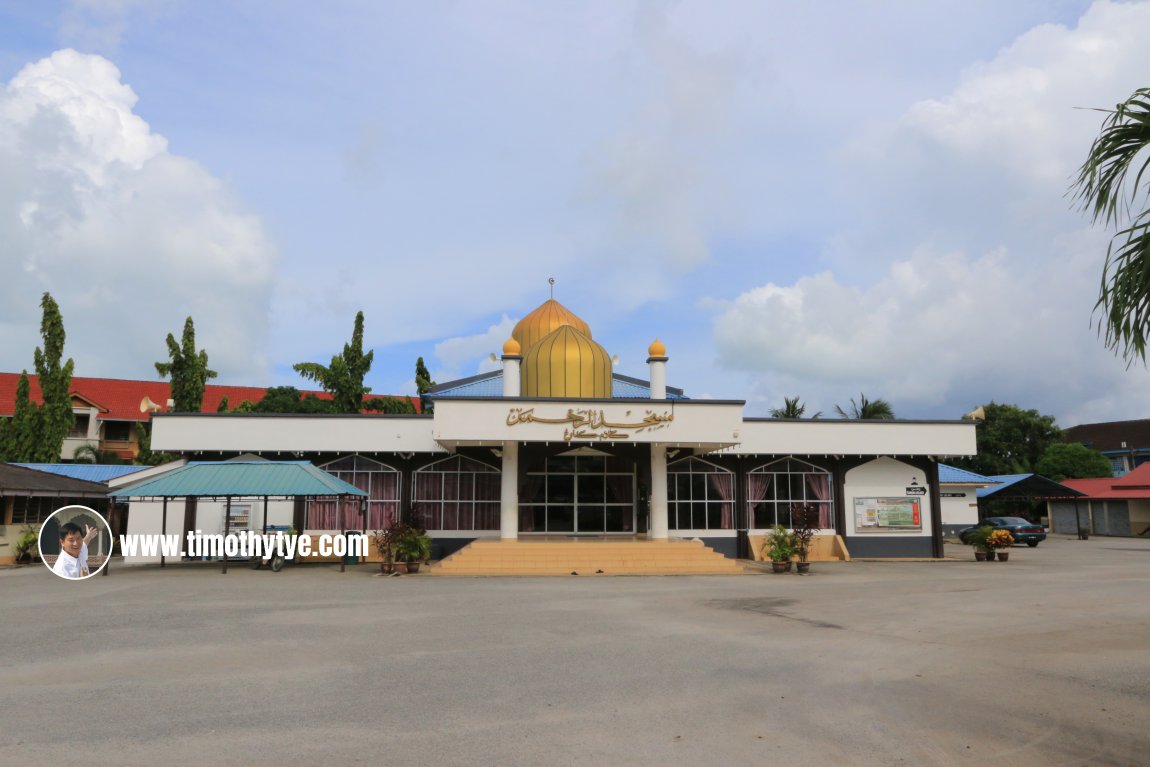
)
(960, 511)
(238, 433)
(885, 478)
(854, 437)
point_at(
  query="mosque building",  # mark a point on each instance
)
(556, 446)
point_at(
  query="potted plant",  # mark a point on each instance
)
(978, 540)
(804, 523)
(779, 548)
(26, 545)
(385, 541)
(999, 541)
(413, 546)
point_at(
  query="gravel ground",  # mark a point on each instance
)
(1043, 660)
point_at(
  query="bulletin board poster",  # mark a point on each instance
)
(885, 515)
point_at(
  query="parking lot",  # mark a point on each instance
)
(1042, 660)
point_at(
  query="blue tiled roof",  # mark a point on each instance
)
(89, 472)
(1005, 480)
(955, 475)
(491, 385)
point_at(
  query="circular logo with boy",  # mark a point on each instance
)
(75, 542)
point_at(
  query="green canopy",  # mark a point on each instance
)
(221, 479)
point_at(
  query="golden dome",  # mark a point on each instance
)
(511, 348)
(550, 315)
(566, 363)
(656, 349)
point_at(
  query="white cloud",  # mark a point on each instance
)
(455, 353)
(971, 277)
(128, 237)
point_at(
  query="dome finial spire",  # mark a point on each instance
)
(551, 282)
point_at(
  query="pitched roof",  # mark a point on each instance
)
(1135, 484)
(1026, 486)
(217, 479)
(18, 480)
(1104, 488)
(1111, 435)
(119, 398)
(952, 475)
(1139, 477)
(89, 472)
(491, 385)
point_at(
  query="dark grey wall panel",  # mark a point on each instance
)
(865, 546)
(728, 547)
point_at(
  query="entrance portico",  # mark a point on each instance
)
(576, 467)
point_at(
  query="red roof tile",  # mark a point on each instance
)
(119, 399)
(1136, 484)
(1138, 478)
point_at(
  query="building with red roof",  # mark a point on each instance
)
(1112, 506)
(107, 409)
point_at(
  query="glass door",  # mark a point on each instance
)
(580, 494)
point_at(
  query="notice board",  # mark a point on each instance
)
(882, 515)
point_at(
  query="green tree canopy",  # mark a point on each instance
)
(36, 432)
(188, 369)
(288, 399)
(793, 407)
(1010, 440)
(1072, 460)
(867, 410)
(1103, 187)
(55, 377)
(423, 385)
(343, 378)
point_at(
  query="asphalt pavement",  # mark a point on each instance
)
(1042, 660)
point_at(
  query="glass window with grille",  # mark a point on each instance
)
(700, 496)
(378, 480)
(771, 489)
(579, 494)
(456, 493)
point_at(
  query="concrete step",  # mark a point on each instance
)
(586, 557)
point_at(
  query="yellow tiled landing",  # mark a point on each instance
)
(586, 557)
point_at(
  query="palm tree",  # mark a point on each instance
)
(90, 453)
(792, 408)
(868, 410)
(1102, 189)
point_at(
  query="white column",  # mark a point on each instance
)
(657, 361)
(509, 493)
(657, 527)
(658, 377)
(511, 362)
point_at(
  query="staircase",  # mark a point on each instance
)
(586, 557)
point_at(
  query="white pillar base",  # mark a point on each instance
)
(509, 493)
(657, 527)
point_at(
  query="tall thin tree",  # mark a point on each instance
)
(343, 378)
(423, 385)
(188, 369)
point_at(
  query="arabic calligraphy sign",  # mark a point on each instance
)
(591, 424)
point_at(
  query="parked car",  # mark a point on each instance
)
(1022, 530)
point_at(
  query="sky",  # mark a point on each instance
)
(815, 199)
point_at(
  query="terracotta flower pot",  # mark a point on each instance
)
(1003, 556)
(779, 567)
(980, 556)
